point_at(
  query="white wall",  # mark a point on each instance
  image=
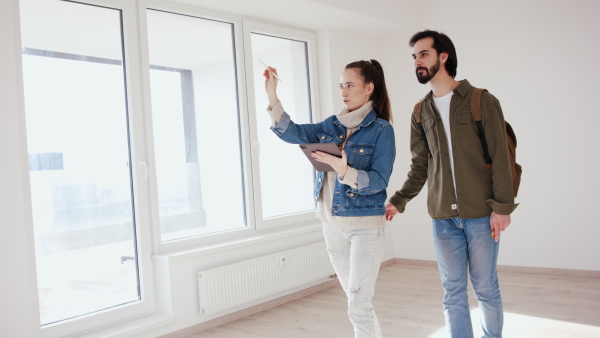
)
(538, 58)
(411, 230)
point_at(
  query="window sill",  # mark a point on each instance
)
(236, 244)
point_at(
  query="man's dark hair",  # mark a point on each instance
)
(442, 44)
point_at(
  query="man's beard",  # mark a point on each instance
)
(429, 73)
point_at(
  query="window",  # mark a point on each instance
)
(285, 177)
(197, 141)
(279, 161)
(78, 142)
(123, 165)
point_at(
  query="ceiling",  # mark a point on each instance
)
(88, 30)
(372, 17)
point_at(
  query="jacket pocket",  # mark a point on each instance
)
(359, 156)
(429, 127)
(325, 137)
(428, 124)
(467, 129)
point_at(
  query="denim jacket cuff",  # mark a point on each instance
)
(282, 125)
(276, 113)
(351, 178)
(502, 208)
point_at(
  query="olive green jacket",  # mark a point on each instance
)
(479, 190)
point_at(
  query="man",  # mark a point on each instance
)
(470, 205)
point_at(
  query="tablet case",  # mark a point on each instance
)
(330, 148)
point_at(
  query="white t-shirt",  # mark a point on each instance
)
(443, 106)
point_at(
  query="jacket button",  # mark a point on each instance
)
(335, 212)
(322, 137)
(351, 194)
(362, 151)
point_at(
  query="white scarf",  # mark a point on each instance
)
(352, 119)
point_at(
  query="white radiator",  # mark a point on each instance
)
(235, 284)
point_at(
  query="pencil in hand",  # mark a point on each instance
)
(264, 64)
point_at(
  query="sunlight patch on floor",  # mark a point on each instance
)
(517, 325)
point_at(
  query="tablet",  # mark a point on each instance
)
(330, 148)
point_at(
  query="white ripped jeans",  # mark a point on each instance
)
(356, 257)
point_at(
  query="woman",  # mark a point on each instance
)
(350, 200)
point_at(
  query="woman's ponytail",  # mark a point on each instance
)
(372, 72)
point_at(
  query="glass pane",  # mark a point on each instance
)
(77, 138)
(279, 161)
(196, 125)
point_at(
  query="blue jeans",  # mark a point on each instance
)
(465, 246)
(356, 257)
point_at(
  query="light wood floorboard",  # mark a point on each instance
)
(408, 304)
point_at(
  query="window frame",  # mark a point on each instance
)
(242, 29)
(130, 30)
(144, 184)
(159, 246)
(292, 34)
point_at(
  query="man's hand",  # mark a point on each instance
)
(390, 211)
(498, 223)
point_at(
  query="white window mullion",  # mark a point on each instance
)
(136, 57)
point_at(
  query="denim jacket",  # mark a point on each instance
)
(370, 149)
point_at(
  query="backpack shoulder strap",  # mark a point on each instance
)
(476, 103)
(511, 134)
(417, 111)
(476, 111)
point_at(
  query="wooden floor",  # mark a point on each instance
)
(408, 304)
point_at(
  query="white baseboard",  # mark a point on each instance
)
(510, 268)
